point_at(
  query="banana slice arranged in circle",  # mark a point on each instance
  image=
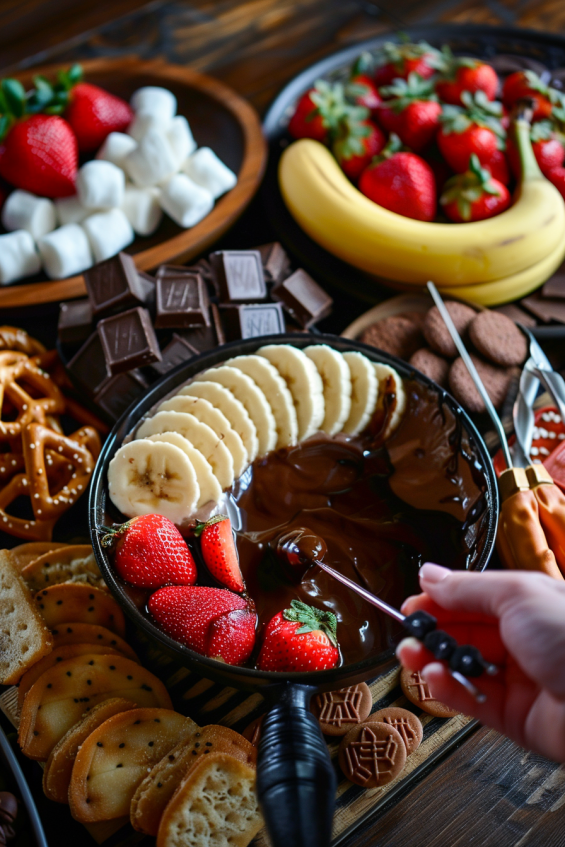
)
(390, 383)
(234, 411)
(304, 383)
(210, 489)
(147, 477)
(336, 381)
(206, 413)
(247, 392)
(364, 389)
(278, 396)
(199, 434)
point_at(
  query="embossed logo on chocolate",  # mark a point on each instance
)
(180, 294)
(421, 686)
(126, 336)
(402, 726)
(370, 757)
(340, 707)
(261, 320)
(243, 273)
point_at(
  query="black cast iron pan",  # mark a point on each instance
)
(295, 778)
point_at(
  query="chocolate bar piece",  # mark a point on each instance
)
(129, 340)
(544, 308)
(252, 320)
(276, 262)
(206, 337)
(516, 314)
(118, 392)
(177, 350)
(88, 365)
(115, 283)
(75, 321)
(303, 298)
(240, 275)
(555, 285)
(182, 300)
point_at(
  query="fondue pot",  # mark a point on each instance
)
(296, 781)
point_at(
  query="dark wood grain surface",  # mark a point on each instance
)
(489, 792)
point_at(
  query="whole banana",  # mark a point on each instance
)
(336, 215)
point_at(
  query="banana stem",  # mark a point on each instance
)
(528, 162)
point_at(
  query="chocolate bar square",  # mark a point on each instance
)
(276, 262)
(303, 298)
(182, 300)
(555, 285)
(240, 276)
(117, 393)
(178, 350)
(252, 320)
(129, 340)
(75, 321)
(88, 365)
(114, 284)
(544, 308)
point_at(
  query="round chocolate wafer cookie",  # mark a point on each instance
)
(372, 754)
(498, 339)
(339, 711)
(495, 379)
(406, 723)
(398, 335)
(436, 333)
(431, 364)
(418, 692)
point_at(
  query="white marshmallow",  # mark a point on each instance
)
(116, 147)
(153, 100)
(205, 169)
(108, 233)
(153, 161)
(100, 185)
(141, 208)
(70, 210)
(18, 256)
(186, 202)
(65, 251)
(141, 125)
(179, 136)
(23, 210)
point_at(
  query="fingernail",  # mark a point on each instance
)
(433, 573)
(410, 643)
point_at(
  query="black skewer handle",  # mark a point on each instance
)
(465, 659)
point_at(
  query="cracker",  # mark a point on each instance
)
(75, 562)
(59, 765)
(155, 791)
(216, 804)
(31, 550)
(24, 637)
(89, 633)
(58, 654)
(115, 758)
(75, 602)
(63, 693)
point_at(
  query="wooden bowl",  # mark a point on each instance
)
(218, 117)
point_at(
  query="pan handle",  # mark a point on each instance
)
(296, 781)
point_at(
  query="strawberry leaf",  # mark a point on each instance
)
(403, 92)
(5, 123)
(202, 525)
(312, 619)
(15, 96)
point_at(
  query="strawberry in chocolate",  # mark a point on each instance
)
(358, 143)
(212, 621)
(401, 182)
(476, 128)
(398, 61)
(319, 111)
(151, 552)
(301, 638)
(474, 195)
(411, 111)
(219, 552)
(461, 73)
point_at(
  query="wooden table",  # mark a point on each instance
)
(489, 792)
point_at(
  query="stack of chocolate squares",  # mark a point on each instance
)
(133, 328)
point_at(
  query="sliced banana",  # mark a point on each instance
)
(247, 392)
(304, 383)
(235, 412)
(336, 381)
(210, 489)
(199, 434)
(147, 477)
(364, 389)
(273, 386)
(208, 414)
(390, 382)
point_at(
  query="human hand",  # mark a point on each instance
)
(517, 620)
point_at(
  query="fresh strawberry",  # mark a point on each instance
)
(473, 129)
(401, 60)
(547, 145)
(219, 552)
(319, 112)
(459, 74)
(212, 621)
(361, 89)
(301, 638)
(401, 182)
(94, 113)
(151, 552)
(412, 112)
(355, 149)
(557, 177)
(498, 167)
(528, 84)
(39, 154)
(474, 195)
